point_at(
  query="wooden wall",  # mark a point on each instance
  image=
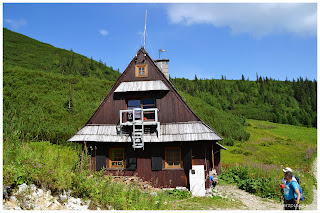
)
(166, 178)
(170, 103)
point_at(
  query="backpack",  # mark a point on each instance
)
(297, 179)
(300, 190)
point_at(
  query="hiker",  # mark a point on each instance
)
(213, 180)
(291, 193)
(287, 169)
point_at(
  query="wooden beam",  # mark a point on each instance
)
(212, 155)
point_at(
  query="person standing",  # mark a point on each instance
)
(291, 193)
(287, 169)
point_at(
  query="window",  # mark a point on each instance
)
(172, 157)
(142, 70)
(134, 104)
(149, 103)
(146, 103)
(116, 158)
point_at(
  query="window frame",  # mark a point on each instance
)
(145, 66)
(166, 159)
(142, 105)
(111, 161)
(142, 102)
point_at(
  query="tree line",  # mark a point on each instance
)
(287, 102)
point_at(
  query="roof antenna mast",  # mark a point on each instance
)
(144, 33)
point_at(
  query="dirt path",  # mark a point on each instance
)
(252, 202)
(314, 204)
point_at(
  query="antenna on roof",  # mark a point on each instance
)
(144, 33)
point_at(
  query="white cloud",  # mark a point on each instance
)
(257, 20)
(103, 32)
(16, 24)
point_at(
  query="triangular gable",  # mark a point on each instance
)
(106, 108)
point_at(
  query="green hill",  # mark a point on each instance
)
(49, 93)
(266, 99)
(28, 53)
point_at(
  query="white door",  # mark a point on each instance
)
(197, 180)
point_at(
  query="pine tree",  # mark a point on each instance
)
(91, 65)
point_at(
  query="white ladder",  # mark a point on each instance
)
(137, 135)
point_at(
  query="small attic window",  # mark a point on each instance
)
(142, 70)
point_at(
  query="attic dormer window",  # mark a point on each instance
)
(142, 70)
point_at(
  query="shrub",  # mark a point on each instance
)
(228, 141)
(178, 194)
(247, 153)
(262, 180)
(237, 151)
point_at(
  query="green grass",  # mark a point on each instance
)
(278, 144)
(271, 148)
(205, 203)
(41, 111)
(57, 168)
(20, 50)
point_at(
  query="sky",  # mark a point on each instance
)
(277, 40)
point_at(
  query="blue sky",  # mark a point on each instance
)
(207, 40)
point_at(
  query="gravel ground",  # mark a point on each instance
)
(251, 202)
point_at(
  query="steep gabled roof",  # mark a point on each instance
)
(157, 76)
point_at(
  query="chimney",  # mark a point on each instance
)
(163, 65)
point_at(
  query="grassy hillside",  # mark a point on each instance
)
(229, 126)
(36, 103)
(28, 53)
(271, 148)
(288, 102)
(49, 93)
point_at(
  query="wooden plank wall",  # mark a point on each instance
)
(166, 178)
(172, 107)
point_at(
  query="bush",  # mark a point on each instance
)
(247, 153)
(237, 151)
(178, 194)
(259, 179)
(228, 141)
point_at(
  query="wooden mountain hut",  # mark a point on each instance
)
(143, 127)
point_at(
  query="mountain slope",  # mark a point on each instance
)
(20, 50)
(49, 93)
(284, 102)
